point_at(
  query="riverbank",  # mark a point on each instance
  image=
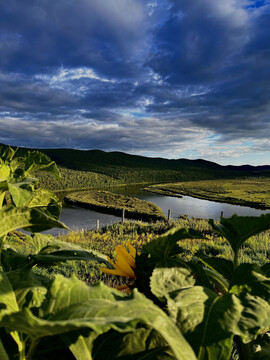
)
(137, 233)
(254, 193)
(113, 203)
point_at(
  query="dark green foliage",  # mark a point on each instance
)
(125, 168)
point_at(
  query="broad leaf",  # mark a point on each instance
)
(32, 220)
(29, 288)
(74, 306)
(238, 229)
(143, 343)
(166, 245)
(189, 309)
(4, 171)
(8, 302)
(228, 316)
(55, 257)
(12, 260)
(250, 278)
(170, 275)
(20, 196)
(223, 266)
(47, 201)
(37, 161)
(49, 251)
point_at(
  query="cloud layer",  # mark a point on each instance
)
(160, 78)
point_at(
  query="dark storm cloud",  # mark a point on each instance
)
(101, 34)
(146, 76)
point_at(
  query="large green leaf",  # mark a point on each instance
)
(8, 302)
(143, 343)
(20, 196)
(4, 171)
(223, 266)
(74, 306)
(11, 259)
(55, 257)
(44, 199)
(170, 275)
(228, 316)
(37, 161)
(238, 229)
(189, 309)
(250, 278)
(32, 220)
(28, 287)
(166, 245)
(49, 250)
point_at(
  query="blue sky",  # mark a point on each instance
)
(161, 78)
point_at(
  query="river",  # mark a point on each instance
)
(78, 218)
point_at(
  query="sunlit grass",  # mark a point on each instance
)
(256, 249)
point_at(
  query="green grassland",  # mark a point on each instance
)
(107, 202)
(75, 179)
(248, 192)
(118, 167)
(256, 249)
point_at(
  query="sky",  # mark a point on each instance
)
(159, 78)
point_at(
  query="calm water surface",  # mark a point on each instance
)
(78, 218)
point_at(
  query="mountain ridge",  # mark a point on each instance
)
(137, 168)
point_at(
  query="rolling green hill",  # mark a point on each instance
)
(125, 168)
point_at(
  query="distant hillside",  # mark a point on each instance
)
(133, 168)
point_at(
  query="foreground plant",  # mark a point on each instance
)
(64, 318)
(208, 309)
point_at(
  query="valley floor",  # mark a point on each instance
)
(253, 192)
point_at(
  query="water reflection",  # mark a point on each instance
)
(78, 218)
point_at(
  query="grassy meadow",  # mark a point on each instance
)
(75, 179)
(254, 192)
(256, 249)
(112, 203)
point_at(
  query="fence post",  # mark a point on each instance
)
(123, 216)
(169, 214)
(97, 224)
(221, 214)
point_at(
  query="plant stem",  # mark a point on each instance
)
(31, 350)
(244, 350)
(235, 260)
(21, 344)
